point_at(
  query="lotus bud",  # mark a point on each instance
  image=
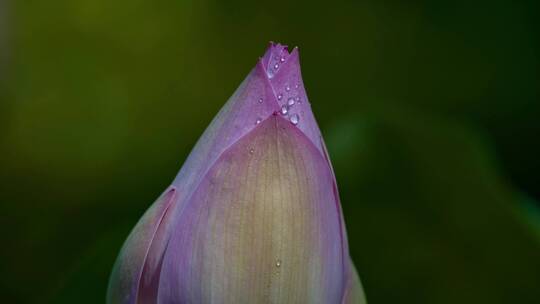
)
(254, 214)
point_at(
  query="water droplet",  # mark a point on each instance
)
(296, 86)
(260, 100)
(287, 88)
(295, 119)
(284, 109)
(258, 121)
(276, 66)
(282, 59)
(278, 263)
(290, 101)
(251, 151)
(279, 96)
(297, 99)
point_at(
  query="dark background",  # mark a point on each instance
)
(430, 110)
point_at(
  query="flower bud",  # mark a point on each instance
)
(253, 216)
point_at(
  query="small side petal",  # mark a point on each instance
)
(139, 262)
(262, 227)
(354, 293)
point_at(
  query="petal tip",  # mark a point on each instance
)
(274, 58)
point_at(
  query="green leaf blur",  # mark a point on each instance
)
(429, 110)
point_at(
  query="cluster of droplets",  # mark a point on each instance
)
(288, 105)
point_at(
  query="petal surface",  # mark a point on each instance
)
(262, 226)
(252, 102)
(137, 267)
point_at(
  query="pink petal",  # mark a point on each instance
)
(261, 227)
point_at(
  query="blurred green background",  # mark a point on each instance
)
(429, 109)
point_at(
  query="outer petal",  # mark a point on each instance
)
(262, 226)
(136, 271)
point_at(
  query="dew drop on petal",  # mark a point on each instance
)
(282, 59)
(276, 66)
(290, 101)
(287, 88)
(284, 109)
(260, 100)
(278, 263)
(296, 86)
(251, 151)
(295, 119)
(279, 96)
(258, 121)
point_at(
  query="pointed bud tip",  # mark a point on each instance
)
(276, 57)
